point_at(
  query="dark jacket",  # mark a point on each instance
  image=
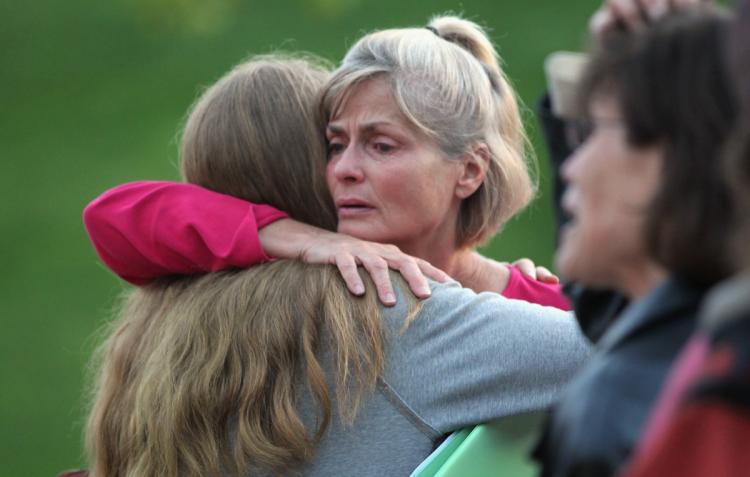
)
(709, 433)
(599, 417)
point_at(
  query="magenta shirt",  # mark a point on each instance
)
(523, 287)
(148, 229)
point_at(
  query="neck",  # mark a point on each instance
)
(442, 254)
(438, 245)
(467, 267)
(479, 273)
(471, 270)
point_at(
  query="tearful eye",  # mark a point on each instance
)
(384, 148)
(335, 148)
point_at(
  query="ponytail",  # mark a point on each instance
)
(450, 86)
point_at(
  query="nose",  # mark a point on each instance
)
(347, 166)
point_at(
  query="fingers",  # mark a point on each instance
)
(432, 272)
(687, 3)
(614, 13)
(544, 275)
(601, 21)
(348, 268)
(526, 266)
(347, 253)
(377, 267)
(627, 12)
(655, 8)
(633, 14)
(413, 275)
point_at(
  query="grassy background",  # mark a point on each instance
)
(91, 95)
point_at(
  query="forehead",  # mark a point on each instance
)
(370, 101)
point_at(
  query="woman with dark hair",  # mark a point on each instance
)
(650, 211)
(702, 424)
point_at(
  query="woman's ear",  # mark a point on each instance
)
(475, 164)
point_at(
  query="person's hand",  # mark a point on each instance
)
(528, 268)
(633, 14)
(287, 238)
(347, 252)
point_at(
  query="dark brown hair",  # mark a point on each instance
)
(738, 151)
(672, 88)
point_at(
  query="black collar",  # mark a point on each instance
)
(672, 299)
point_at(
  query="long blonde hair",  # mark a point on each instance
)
(203, 375)
(448, 83)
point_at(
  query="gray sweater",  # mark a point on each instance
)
(464, 360)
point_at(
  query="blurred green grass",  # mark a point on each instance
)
(92, 95)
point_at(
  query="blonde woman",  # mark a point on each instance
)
(426, 152)
(277, 368)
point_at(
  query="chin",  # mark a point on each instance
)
(584, 268)
(564, 264)
(565, 255)
(572, 264)
(362, 232)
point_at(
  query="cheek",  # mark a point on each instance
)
(330, 180)
(414, 198)
(402, 197)
(427, 194)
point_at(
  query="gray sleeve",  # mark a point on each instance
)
(469, 358)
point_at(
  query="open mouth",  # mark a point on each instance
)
(352, 206)
(568, 204)
(354, 210)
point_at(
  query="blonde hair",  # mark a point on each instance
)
(204, 375)
(448, 83)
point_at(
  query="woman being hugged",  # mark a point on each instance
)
(278, 368)
(426, 152)
(426, 146)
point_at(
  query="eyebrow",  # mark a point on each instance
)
(367, 127)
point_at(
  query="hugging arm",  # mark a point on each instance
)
(145, 230)
(148, 229)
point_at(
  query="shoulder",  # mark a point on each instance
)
(469, 357)
(450, 299)
(729, 301)
(456, 317)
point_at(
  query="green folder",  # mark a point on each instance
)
(475, 451)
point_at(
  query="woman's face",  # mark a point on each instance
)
(610, 186)
(390, 183)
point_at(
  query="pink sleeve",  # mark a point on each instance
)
(144, 230)
(523, 287)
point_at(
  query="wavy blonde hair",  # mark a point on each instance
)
(448, 83)
(204, 375)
